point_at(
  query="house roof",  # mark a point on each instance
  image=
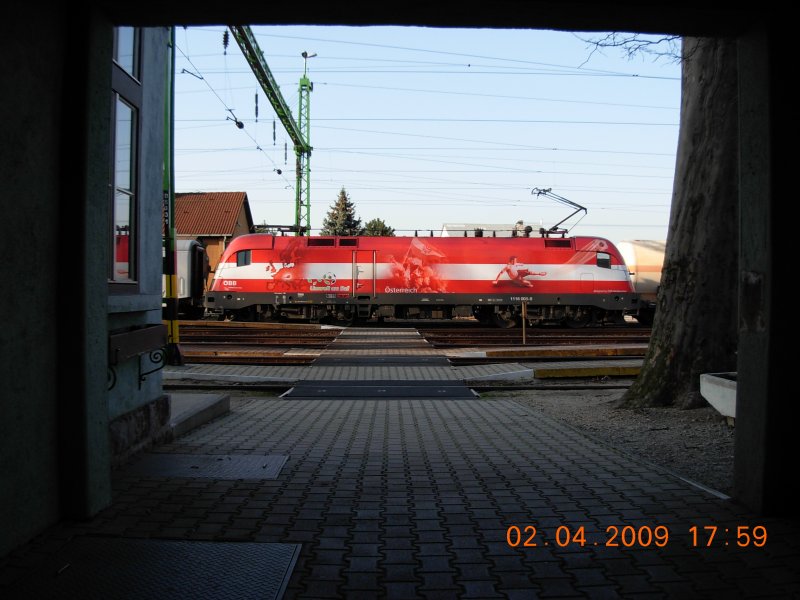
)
(210, 213)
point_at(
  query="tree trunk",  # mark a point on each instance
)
(695, 328)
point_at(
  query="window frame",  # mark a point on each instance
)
(134, 73)
(244, 258)
(127, 88)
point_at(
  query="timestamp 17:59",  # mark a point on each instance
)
(642, 536)
(745, 535)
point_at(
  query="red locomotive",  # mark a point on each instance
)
(566, 280)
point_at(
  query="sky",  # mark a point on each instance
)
(426, 126)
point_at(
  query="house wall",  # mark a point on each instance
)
(29, 170)
(144, 307)
(55, 455)
(242, 223)
(215, 246)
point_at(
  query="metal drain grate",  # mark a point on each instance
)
(376, 390)
(210, 466)
(101, 568)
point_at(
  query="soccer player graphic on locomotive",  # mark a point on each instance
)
(517, 273)
(289, 276)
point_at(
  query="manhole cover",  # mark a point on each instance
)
(210, 466)
(101, 568)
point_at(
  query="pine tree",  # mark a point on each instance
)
(341, 218)
(377, 228)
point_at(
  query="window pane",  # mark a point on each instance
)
(124, 209)
(123, 146)
(124, 246)
(125, 49)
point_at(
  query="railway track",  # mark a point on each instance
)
(265, 344)
(255, 334)
(534, 337)
(268, 344)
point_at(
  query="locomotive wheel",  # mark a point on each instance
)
(340, 320)
(578, 322)
(244, 315)
(504, 323)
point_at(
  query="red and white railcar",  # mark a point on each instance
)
(573, 280)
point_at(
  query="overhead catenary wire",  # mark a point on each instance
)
(230, 110)
(473, 120)
(571, 68)
(453, 151)
(395, 89)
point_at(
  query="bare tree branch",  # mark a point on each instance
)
(636, 44)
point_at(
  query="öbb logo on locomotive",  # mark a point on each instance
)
(572, 281)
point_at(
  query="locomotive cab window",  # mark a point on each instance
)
(243, 258)
(604, 260)
(348, 242)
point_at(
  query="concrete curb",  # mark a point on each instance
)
(189, 411)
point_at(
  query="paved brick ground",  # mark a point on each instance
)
(406, 499)
(414, 498)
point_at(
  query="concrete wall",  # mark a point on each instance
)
(767, 413)
(55, 407)
(29, 171)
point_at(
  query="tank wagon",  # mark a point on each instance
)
(568, 280)
(645, 260)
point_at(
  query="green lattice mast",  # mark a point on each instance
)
(299, 134)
